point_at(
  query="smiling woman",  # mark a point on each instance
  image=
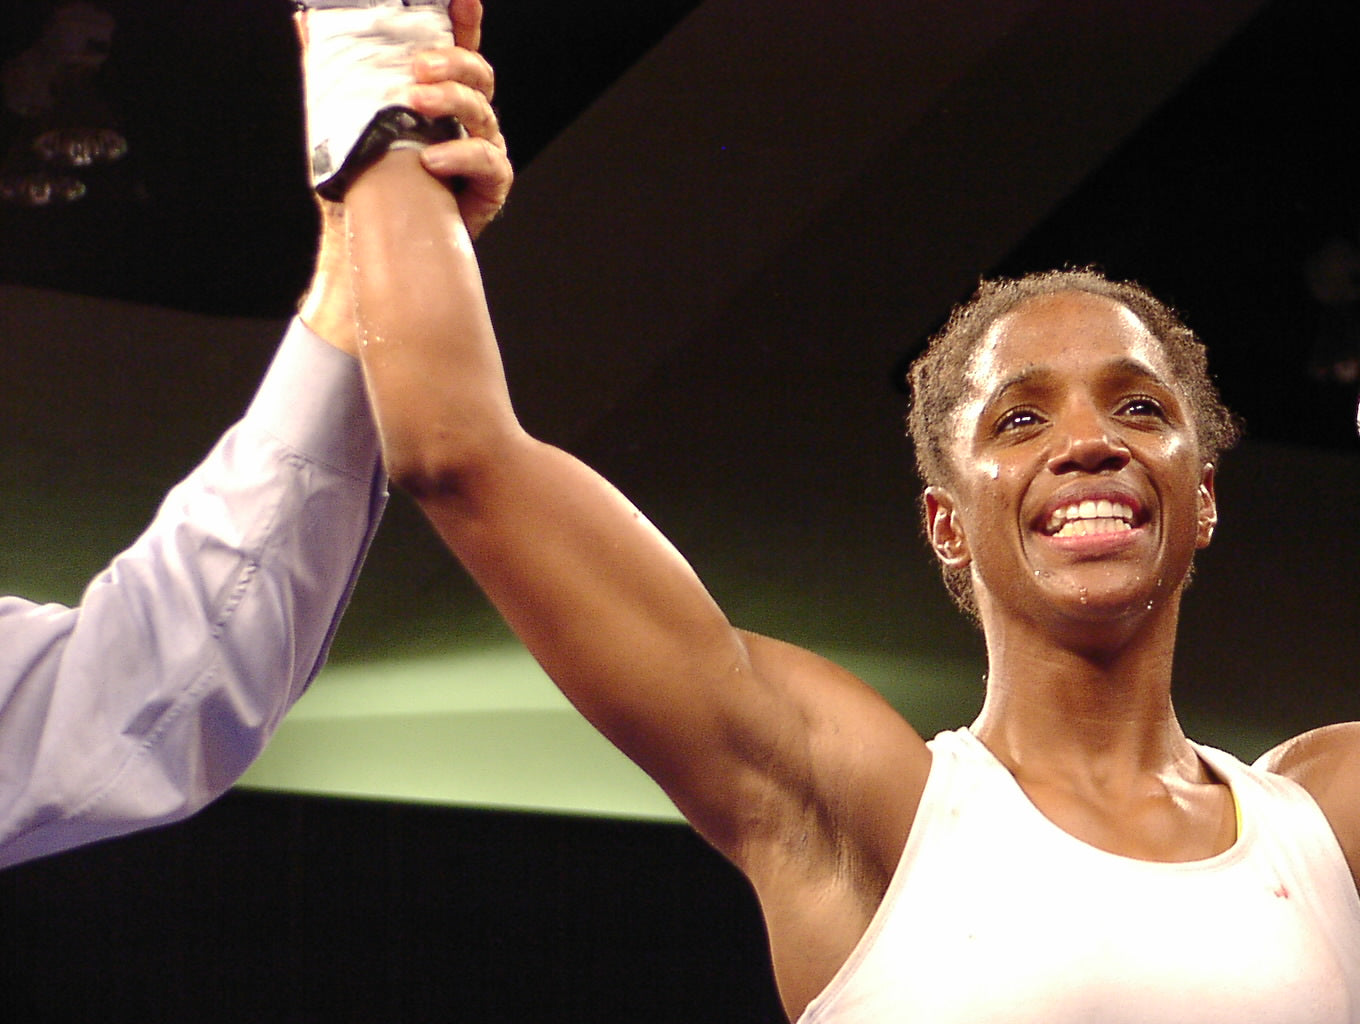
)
(941, 383)
(1060, 847)
(1066, 403)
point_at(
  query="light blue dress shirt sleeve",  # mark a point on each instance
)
(152, 697)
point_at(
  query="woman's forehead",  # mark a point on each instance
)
(1069, 331)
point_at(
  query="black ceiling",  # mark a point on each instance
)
(1232, 202)
(1243, 184)
(209, 210)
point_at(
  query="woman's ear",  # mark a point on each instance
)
(944, 529)
(1208, 508)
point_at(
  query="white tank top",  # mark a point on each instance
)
(995, 914)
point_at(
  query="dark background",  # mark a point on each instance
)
(1219, 200)
(1220, 191)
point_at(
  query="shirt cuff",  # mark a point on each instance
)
(312, 400)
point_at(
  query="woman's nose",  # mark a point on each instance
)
(1086, 444)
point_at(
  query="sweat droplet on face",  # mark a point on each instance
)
(994, 471)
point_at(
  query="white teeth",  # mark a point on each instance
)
(1089, 527)
(1089, 517)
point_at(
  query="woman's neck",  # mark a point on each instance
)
(1084, 703)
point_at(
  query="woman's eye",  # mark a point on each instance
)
(1017, 419)
(1141, 405)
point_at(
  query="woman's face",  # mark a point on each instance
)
(1077, 488)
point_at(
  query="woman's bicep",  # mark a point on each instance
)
(621, 623)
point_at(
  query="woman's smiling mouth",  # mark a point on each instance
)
(1088, 518)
